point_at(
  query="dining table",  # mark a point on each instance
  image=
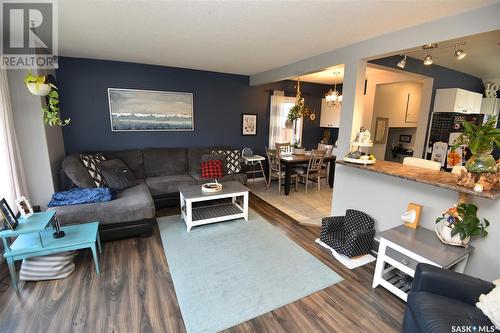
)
(291, 161)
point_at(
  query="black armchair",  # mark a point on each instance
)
(441, 299)
(351, 235)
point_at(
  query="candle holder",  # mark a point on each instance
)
(56, 224)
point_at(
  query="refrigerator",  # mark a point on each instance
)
(445, 128)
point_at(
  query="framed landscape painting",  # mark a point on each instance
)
(149, 110)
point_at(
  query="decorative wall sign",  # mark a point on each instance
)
(248, 124)
(148, 110)
(381, 129)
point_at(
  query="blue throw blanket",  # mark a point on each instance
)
(78, 196)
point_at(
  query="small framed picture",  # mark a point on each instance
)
(248, 124)
(7, 214)
(24, 207)
(405, 138)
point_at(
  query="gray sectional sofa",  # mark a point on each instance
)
(159, 173)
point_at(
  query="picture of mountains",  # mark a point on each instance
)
(148, 110)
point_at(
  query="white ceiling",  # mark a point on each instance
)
(244, 37)
(482, 60)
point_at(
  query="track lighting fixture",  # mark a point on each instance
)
(459, 53)
(428, 60)
(402, 63)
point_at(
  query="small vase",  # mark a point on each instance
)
(481, 162)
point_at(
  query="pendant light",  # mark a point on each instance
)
(333, 97)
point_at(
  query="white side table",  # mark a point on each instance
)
(402, 248)
(253, 161)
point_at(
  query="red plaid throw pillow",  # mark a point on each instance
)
(211, 169)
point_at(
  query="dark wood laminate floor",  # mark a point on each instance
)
(134, 293)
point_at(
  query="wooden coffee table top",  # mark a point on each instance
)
(195, 191)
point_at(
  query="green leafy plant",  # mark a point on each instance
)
(463, 220)
(296, 145)
(51, 113)
(478, 138)
(299, 110)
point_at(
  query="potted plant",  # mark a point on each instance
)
(480, 139)
(38, 85)
(297, 148)
(460, 223)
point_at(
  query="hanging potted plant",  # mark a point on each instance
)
(459, 223)
(298, 111)
(482, 172)
(38, 86)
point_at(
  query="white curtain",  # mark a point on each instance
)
(12, 184)
(278, 131)
(277, 105)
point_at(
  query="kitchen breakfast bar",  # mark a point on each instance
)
(384, 189)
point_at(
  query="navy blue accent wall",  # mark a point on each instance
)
(219, 101)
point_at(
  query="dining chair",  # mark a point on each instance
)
(283, 148)
(329, 151)
(328, 148)
(275, 169)
(421, 163)
(314, 172)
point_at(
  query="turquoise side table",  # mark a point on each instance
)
(34, 239)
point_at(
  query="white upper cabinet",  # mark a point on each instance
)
(457, 100)
(330, 115)
(490, 106)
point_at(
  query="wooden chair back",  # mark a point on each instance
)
(283, 148)
(273, 159)
(316, 161)
(328, 148)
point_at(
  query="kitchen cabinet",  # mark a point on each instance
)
(330, 115)
(490, 106)
(457, 100)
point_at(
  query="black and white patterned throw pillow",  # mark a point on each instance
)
(233, 160)
(91, 162)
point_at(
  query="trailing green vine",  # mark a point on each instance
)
(51, 112)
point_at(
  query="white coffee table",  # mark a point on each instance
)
(210, 211)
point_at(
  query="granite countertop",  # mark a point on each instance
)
(441, 179)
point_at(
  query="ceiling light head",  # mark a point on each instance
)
(428, 60)
(459, 54)
(402, 63)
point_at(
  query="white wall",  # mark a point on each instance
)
(386, 197)
(391, 101)
(41, 146)
(372, 81)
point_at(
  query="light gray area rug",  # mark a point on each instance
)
(229, 272)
